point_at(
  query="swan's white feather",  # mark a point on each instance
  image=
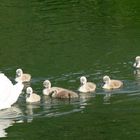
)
(9, 93)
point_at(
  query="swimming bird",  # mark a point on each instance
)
(31, 97)
(24, 77)
(86, 86)
(9, 93)
(64, 94)
(111, 84)
(48, 89)
(137, 62)
(57, 92)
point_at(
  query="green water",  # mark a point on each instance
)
(61, 41)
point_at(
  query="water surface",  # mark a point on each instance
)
(61, 41)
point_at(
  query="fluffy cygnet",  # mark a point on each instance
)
(31, 97)
(86, 86)
(48, 89)
(111, 84)
(64, 94)
(137, 62)
(24, 77)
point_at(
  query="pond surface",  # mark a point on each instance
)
(62, 41)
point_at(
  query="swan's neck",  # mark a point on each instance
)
(13, 96)
(17, 88)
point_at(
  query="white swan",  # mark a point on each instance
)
(111, 84)
(9, 93)
(31, 97)
(24, 77)
(86, 86)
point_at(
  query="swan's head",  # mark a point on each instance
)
(29, 90)
(83, 80)
(47, 84)
(19, 72)
(137, 58)
(106, 79)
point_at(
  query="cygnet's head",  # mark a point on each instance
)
(19, 72)
(29, 90)
(47, 84)
(106, 78)
(137, 59)
(83, 80)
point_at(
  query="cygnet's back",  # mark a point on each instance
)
(32, 97)
(64, 94)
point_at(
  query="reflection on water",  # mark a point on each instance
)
(30, 112)
(5, 123)
(47, 108)
(7, 118)
(106, 98)
(84, 98)
(137, 76)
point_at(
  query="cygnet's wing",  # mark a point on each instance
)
(90, 86)
(116, 83)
